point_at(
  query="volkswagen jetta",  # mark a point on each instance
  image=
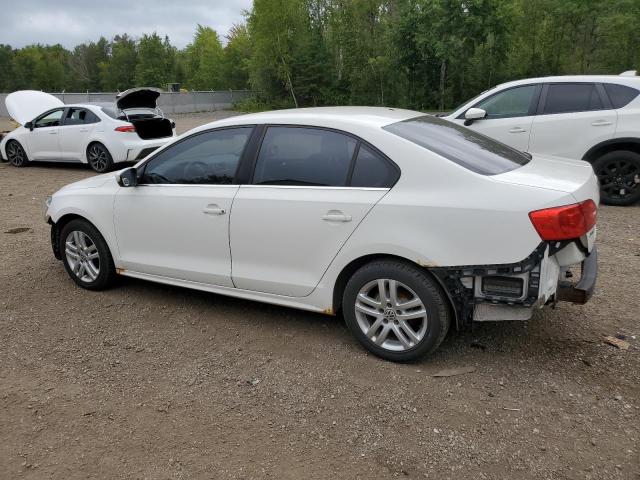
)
(406, 223)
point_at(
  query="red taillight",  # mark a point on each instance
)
(566, 222)
(126, 128)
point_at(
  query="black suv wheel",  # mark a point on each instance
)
(619, 176)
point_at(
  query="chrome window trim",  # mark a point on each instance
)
(312, 187)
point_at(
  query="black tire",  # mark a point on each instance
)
(106, 269)
(16, 154)
(421, 285)
(619, 176)
(99, 158)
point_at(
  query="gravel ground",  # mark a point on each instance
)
(152, 381)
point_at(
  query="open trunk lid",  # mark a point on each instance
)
(142, 97)
(575, 177)
(25, 105)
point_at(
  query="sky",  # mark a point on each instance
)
(70, 22)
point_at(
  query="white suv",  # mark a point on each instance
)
(592, 118)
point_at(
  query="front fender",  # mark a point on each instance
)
(92, 204)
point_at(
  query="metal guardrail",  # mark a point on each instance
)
(169, 102)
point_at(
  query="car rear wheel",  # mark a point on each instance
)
(16, 154)
(619, 176)
(396, 310)
(99, 158)
(86, 256)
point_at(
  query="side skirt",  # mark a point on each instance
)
(228, 291)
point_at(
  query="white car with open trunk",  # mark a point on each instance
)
(98, 134)
(407, 223)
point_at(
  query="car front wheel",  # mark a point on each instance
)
(396, 310)
(16, 154)
(86, 256)
(619, 176)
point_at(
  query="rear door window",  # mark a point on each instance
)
(80, 116)
(572, 97)
(304, 156)
(373, 170)
(460, 145)
(620, 95)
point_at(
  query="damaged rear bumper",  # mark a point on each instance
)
(513, 291)
(582, 291)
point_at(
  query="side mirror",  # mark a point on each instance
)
(474, 114)
(29, 125)
(128, 177)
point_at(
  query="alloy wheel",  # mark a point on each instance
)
(619, 178)
(82, 256)
(98, 158)
(16, 154)
(391, 315)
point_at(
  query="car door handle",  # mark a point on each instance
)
(53, 133)
(84, 129)
(517, 130)
(601, 123)
(214, 209)
(336, 216)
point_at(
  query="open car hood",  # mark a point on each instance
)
(25, 105)
(143, 97)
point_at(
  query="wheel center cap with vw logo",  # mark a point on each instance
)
(390, 314)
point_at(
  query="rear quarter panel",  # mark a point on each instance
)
(440, 214)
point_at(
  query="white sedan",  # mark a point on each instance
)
(97, 134)
(406, 223)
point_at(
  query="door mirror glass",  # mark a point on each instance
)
(29, 125)
(474, 114)
(128, 177)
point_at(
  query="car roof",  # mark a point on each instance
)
(323, 116)
(622, 80)
(89, 105)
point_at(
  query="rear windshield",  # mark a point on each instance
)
(461, 145)
(110, 111)
(131, 113)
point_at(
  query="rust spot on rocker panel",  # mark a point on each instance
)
(328, 311)
(120, 271)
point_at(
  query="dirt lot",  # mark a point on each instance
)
(151, 381)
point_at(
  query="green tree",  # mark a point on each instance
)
(40, 67)
(6, 68)
(84, 65)
(156, 61)
(237, 55)
(276, 27)
(204, 59)
(118, 71)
